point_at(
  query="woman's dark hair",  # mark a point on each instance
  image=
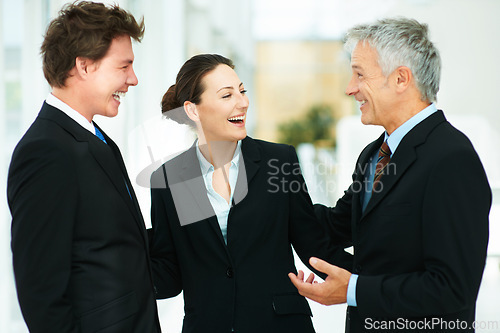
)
(83, 29)
(188, 85)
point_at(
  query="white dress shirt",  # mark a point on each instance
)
(72, 113)
(219, 204)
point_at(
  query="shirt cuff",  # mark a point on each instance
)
(351, 290)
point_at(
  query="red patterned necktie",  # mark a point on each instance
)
(384, 156)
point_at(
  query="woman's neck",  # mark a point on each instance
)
(218, 153)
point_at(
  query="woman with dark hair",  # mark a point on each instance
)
(226, 213)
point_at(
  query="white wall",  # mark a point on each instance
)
(5, 279)
(465, 32)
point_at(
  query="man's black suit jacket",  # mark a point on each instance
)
(243, 285)
(420, 245)
(79, 243)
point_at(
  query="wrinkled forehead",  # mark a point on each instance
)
(363, 52)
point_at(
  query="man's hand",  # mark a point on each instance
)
(332, 291)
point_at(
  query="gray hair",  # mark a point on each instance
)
(402, 42)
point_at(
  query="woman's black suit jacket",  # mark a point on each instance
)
(242, 286)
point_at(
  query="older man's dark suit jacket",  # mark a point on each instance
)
(79, 243)
(420, 245)
(242, 285)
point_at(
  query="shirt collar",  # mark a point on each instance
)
(395, 138)
(206, 166)
(70, 112)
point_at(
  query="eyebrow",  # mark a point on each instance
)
(127, 61)
(229, 87)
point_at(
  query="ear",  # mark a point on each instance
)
(191, 111)
(83, 66)
(404, 78)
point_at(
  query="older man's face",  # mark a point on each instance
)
(369, 86)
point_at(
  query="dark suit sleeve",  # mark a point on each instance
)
(42, 193)
(308, 236)
(337, 220)
(165, 266)
(455, 213)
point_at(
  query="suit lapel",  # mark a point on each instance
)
(105, 157)
(109, 158)
(399, 163)
(359, 178)
(104, 154)
(191, 177)
(248, 168)
(120, 180)
(251, 158)
(404, 157)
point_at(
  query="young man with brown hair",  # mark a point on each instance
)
(79, 243)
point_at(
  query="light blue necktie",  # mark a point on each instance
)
(99, 135)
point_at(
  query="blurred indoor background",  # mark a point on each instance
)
(289, 55)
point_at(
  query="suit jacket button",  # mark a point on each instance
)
(229, 272)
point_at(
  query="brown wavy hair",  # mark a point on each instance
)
(83, 29)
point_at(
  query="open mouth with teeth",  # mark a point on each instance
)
(362, 102)
(118, 95)
(237, 120)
